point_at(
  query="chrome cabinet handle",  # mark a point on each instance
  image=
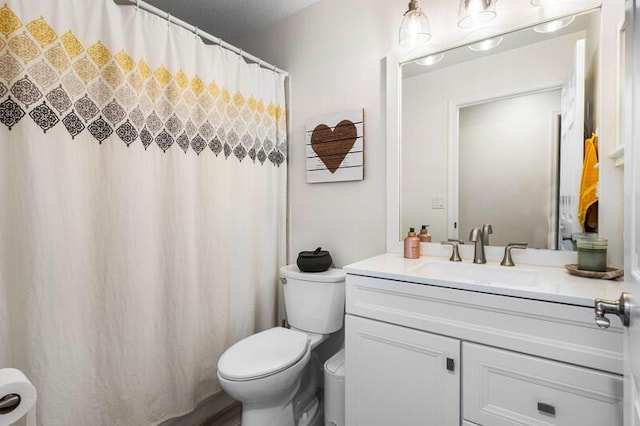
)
(620, 307)
(8, 403)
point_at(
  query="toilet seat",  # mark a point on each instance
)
(263, 354)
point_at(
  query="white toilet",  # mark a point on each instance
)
(265, 371)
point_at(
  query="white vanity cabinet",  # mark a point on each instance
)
(402, 376)
(427, 354)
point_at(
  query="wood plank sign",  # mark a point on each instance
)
(335, 147)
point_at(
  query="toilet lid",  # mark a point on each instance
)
(263, 354)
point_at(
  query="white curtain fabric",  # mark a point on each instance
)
(142, 208)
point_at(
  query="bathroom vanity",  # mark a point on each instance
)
(432, 342)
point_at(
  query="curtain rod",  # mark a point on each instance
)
(141, 4)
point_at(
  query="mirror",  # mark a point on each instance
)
(496, 136)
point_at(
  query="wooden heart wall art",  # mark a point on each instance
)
(335, 147)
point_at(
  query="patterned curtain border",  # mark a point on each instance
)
(56, 79)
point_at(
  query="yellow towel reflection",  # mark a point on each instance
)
(587, 207)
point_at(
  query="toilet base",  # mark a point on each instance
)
(300, 407)
(275, 412)
(253, 415)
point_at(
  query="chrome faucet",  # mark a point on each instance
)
(486, 230)
(476, 236)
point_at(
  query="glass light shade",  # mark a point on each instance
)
(558, 24)
(475, 13)
(430, 60)
(487, 44)
(415, 29)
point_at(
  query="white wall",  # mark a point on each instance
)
(333, 52)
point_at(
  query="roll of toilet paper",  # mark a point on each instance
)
(13, 382)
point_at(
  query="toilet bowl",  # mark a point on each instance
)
(264, 371)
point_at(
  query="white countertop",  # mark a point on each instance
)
(545, 283)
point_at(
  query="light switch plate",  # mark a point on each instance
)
(437, 203)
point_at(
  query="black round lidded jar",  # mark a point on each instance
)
(314, 261)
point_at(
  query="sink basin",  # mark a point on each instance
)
(478, 274)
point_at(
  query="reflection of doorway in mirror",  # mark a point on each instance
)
(508, 168)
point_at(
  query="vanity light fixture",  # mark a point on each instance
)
(487, 44)
(475, 13)
(415, 29)
(558, 24)
(430, 60)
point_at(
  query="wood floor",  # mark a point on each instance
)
(230, 416)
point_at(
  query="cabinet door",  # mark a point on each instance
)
(400, 376)
(502, 388)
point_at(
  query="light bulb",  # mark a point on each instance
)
(485, 45)
(430, 60)
(545, 2)
(558, 24)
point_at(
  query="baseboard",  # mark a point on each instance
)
(205, 410)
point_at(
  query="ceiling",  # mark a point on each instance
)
(231, 19)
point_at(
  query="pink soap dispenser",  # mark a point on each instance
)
(424, 234)
(412, 245)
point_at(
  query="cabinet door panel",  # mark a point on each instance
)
(400, 376)
(502, 388)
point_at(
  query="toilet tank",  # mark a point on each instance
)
(314, 301)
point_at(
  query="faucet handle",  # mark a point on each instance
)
(455, 254)
(507, 260)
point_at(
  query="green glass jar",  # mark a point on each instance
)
(577, 236)
(592, 254)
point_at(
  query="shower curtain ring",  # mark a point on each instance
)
(137, 5)
(196, 31)
(168, 19)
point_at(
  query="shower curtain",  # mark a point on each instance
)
(142, 208)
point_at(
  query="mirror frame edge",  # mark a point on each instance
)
(393, 99)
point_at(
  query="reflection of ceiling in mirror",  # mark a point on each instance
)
(588, 22)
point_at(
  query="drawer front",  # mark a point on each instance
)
(507, 388)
